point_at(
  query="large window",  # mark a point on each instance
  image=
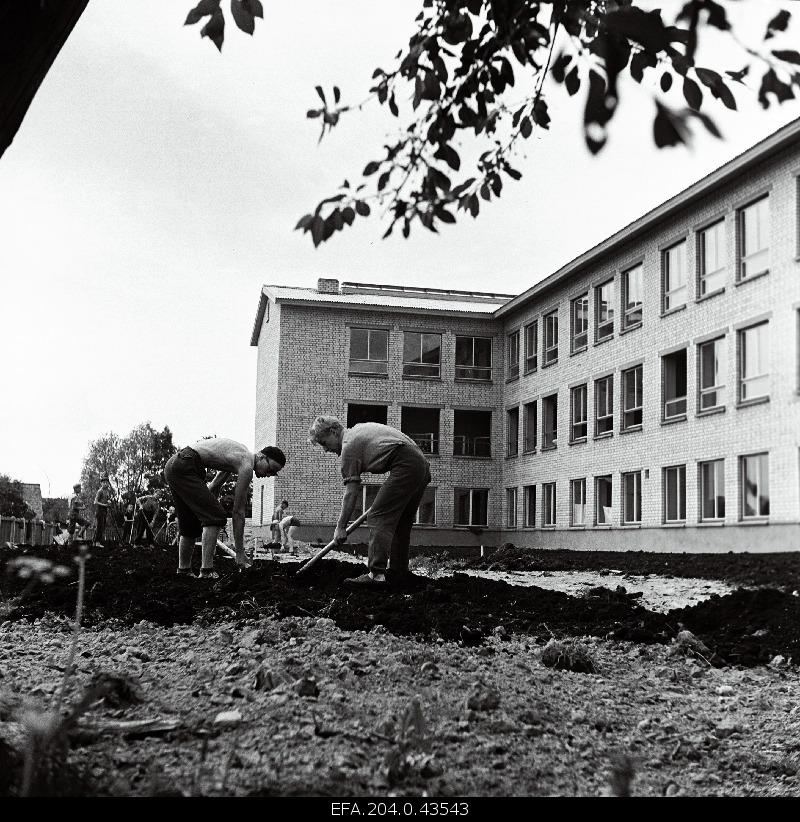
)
(471, 506)
(632, 497)
(711, 245)
(426, 512)
(754, 483)
(422, 425)
(512, 349)
(604, 310)
(472, 433)
(673, 383)
(511, 507)
(529, 425)
(754, 239)
(531, 346)
(712, 490)
(548, 503)
(579, 315)
(551, 337)
(673, 265)
(712, 361)
(753, 363)
(550, 421)
(603, 506)
(578, 421)
(512, 432)
(529, 501)
(675, 493)
(604, 405)
(369, 351)
(358, 413)
(422, 354)
(632, 296)
(365, 500)
(577, 491)
(474, 358)
(632, 398)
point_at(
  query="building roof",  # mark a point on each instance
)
(758, 153)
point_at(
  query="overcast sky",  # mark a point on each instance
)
(154, 185)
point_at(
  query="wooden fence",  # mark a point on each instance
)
(26, 532)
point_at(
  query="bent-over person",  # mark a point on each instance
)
(199, 511)
(375, 448)
(102, 499)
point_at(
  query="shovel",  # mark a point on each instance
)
(331, 545)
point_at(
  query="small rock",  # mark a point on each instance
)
(726, 728)
(264, 680)
(378, 629)
(578, 716)
(482, 697)
(429, 668)
(644, 724)
(234, 669)
(500, 631)
(725, 690)
(306, 686)
(140, 653)
(228, 719)
(777, 661)
(672, 789)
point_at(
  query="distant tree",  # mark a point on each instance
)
(55, 509)
(12, 503)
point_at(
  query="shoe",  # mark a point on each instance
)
(365, 581)
(185, 572)
(98, 545)
(208, 573)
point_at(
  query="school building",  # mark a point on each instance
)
(644, 396)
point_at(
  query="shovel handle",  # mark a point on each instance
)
(331, 545)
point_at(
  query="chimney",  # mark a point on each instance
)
(326, 286)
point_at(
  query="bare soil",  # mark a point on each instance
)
(323, 676)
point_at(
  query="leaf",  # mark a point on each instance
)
(348, 215)
(787, 56)
(336, 94)
(255, 7)
(444, 215)
(710, 125)
(449, 155)
(666, 81)
(393, 105)
(738, 76)
(778, 23)
(321, 94)
(559, 67)
(201, 10)
(304, 222)
(362, 208)
(572, 82)
(383, 179)
(512, 173)
(370, 168)
(242, 16)
(214, 29)
(692, 93)
(474, 205)
(525, 127)
(317, 229)
(314, 112)
(646, 28)
(668, 129)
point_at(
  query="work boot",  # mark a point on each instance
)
(185, 572)
(208, 573)
(365, 581)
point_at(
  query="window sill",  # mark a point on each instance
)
(675, 310)
(528, 527)
(631, 526)
(743, 280)
(425, 525)
(420, 378)
(472, 381)
(603, 340)
(530, 371)
(512, 379)
(468, 527)
(714, 293)
(511, 456)
(578, 351)
(632, 430)
(674, 524)
(581, 441)
(548, 364)
(468, 457)
(361, 374)
(604, 436)
(711, 523)
(577, 527)
(630, 328)
(710, 412)
(549, 527)
(549, 448)
(603, 526)
(755, 521)
(755, 401)
(673, 420)
(529, 451)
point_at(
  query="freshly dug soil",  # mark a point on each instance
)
(125, 586)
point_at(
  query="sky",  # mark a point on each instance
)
(155, 184)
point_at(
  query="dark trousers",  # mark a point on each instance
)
(393, 513)
(142, 528)
(127, 531)
(100, 523)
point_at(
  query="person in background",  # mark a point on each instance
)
(77, 523)
(280, 513)
(148, 508)
(102, 499)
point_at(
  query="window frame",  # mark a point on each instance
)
(600, 334)
(532, 336)
(512, 362)
(581, 483)
(667, 305)
(528, 430)
(717, 388)
(637, 497)
(420, 364)
(350, 360)
(472, 492)
(741, 355)
(741, 231)
(549, 496)
(511, 508)
(680, 502)
(550, 353)
(629, 308)
(577, 423)
(473, 367)
(604, 523)
(554, 443)
(679, 414)
(758, 517)
(701, 488)
(528, 505)
(704, 276)
(509, 414)
(609, 402)
(575, 346)
(625, 426)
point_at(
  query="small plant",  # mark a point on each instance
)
(411, 741)
(568, 655)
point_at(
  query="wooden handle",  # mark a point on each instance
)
(331, 545)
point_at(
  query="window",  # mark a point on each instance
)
(551, 337)
(358, 413)
(364, 501)
(753, 367)
(577, 490)
(712, 490)
(602, 500)
(754, 239)
(673, 266)
(711, 359)
(580, 322)
(673, 385)
(422, 425)
(511, 507)
(529, 500)
(632, 292)
(529, 426)
(632, 398)
(513, 356)
(675, 493)
(754, 482)
(474, 358)
(369, 351)
(548, 503)
(632, 498)
(531, 346)
(604, 310)
(471, 506)
(422, 354)
(711, 247)
(578, 414)
(550, 421)
(472, 433)
(426, 513)
(512, 432)
(604, 405)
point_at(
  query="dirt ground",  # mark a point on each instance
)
(269, 684)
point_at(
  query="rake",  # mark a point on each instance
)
(331, 545)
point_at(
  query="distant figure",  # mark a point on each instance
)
(280, 513)
(127, 529)
(286, 528)
(148, 508)
(102, 499)
(77, 522)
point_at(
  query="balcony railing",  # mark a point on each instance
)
(428, 443)
(466, 446)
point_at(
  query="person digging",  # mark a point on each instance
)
(375, 448)
(199, 511)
